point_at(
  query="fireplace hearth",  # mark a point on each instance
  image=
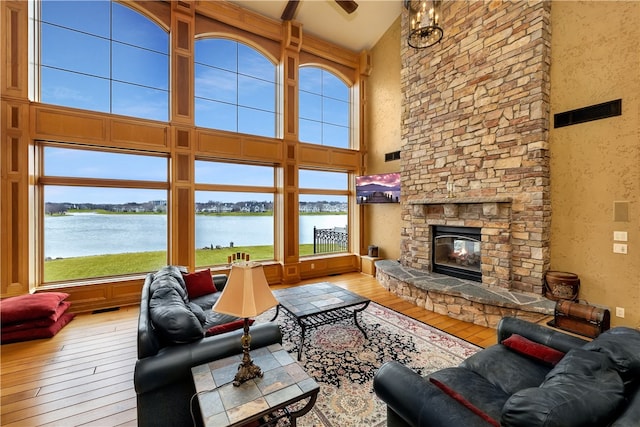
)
(456, 251)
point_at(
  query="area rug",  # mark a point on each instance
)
(344, 362)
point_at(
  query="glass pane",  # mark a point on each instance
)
(321, 179)
(335, 112)
(74, 51)
(207, 172)
(335, 136)
(135, 29)
(216, 84)
(97, 164)
(218, 53)
(310, 79)
(253, 63)
(256, 122)
(74, 90)
(256, 93)
(137, 101)
(310, 106)
(79, 15)
(310, 131)
(323, 224)
(216, 115)
(141, 66)
(99, 232)
(227, 223)
(333, 87)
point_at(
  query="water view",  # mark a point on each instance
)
(76, 235)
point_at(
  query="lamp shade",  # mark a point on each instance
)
(246, 293)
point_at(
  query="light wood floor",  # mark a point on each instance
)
(84, 375)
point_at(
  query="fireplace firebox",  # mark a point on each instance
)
(455, 251)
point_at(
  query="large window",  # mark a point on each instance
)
(323, 209)
(234, 211)
(105, 213)
(235, 88)
(324, 108)
(103, 56)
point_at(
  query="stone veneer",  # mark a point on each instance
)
(476, 111)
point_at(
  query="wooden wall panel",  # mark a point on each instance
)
(228, 145)
(65, 125)
(129, 132)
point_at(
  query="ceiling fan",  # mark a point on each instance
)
(289, 11)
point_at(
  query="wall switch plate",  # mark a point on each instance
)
(620, 312)
(619, 248)
(620, 236)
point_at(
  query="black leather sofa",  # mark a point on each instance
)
(169, 347)
(593, 384)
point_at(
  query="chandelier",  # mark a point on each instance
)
(424, 21)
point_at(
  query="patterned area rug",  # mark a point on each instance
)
(344, 362)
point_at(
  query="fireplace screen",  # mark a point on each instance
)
(456, 252)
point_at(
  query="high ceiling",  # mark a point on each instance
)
(325, 19)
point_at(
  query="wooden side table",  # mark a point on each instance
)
(284, 383)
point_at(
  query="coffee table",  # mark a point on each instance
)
(319, 304)
(283, 384)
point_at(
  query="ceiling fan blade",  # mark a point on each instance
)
(349, 6)
(290, 10)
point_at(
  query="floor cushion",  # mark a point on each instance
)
(30, 306)
(37, 332)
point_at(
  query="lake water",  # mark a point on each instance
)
(96, 234)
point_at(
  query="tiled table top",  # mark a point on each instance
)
(284, 382)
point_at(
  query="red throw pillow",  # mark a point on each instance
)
(461, 399)
(30, 306)
(227, 327)
(199, 283)
(538, 351)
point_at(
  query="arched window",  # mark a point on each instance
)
(235, 88)
(103, 56)
(324, 108)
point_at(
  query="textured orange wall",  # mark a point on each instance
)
(382, 222)
(595, 58)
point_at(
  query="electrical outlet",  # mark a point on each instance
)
(620, 236)
(313, 266)
(620, 312)
(619, 248)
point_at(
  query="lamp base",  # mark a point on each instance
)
(247, 372)
(247, 369)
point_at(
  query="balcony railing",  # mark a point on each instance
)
(327, 240)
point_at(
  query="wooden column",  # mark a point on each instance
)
(289, 201)
(17, 223)
(182, 194)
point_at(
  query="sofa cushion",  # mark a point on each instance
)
(464, 402)
(583, 389)
(170, 311)
(622, 345)
(538, 351)
(199, 283)
(485, 396)
(498, 363)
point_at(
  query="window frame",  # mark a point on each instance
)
(43, 181)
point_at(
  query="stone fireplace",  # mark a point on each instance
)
(457, 251)
(475, 140)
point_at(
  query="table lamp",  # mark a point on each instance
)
(245, 295)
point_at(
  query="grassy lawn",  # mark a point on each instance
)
(118, 264)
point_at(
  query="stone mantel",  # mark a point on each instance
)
(460, 200)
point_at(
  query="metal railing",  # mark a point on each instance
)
(327, 240)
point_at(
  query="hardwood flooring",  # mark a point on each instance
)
(84, 375)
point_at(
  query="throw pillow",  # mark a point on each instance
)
(30, 306)
(227, 327)
(199, 283)
(541, 352)
(461, 399)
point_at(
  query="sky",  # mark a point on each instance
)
(120, 65)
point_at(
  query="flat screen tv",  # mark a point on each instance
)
(380, 188)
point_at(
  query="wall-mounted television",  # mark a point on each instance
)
(380, 188)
